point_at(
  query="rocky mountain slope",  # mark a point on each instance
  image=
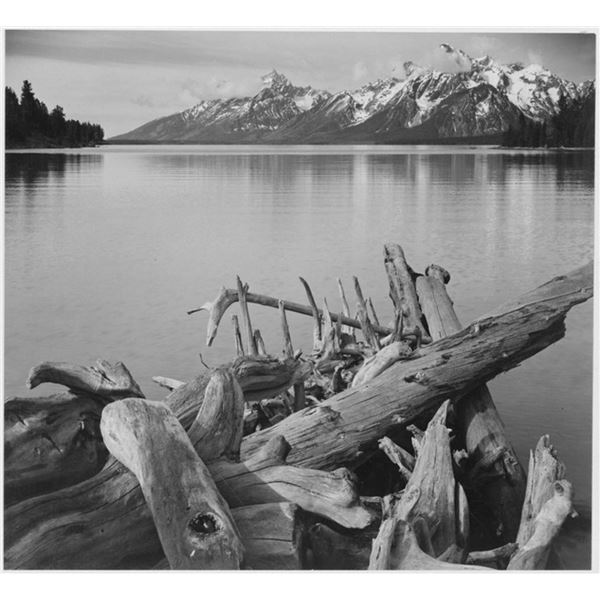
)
(482, 100)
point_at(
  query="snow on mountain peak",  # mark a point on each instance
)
(275, 80)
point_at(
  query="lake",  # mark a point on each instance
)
(106, 250)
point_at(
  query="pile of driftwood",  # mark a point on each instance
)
(385, 452)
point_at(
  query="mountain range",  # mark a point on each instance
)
(481, 102)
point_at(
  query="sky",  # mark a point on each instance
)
(124, 78)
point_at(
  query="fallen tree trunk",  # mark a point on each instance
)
(501, 480)
(336, 431)
(548, 502)
(104, 522)
(54, 442)
(193, 522)
(275, 537)
(50, 443)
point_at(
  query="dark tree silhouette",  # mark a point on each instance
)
(572, 126)
(29, 124)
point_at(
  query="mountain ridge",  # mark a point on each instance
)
(482, 98)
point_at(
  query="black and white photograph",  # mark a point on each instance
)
(299, 299)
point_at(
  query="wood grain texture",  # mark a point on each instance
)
(193, 521)
(500, 480)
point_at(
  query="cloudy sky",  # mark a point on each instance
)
(122, 79)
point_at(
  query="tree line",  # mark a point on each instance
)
(29, 124)
(572, 127)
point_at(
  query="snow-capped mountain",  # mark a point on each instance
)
(482, 98)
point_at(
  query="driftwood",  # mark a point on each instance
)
(299, 392)
(314, 311)
(104, 522)
(167, 382)
(433, 503)
(109, 381)
(332, 550)
(50, 443)
(275, 536)
(404, 553)
(378, 363)
(340, 428)
(217, 308)
(53, 442)
(548, 502)
(338, 431)
(237, 334)
(404, 460)
(494, 468)
(265, 478)
(402, 289)
(432, 496)
(242, 289)
(193, 521)
(363, 316)
(496, 556)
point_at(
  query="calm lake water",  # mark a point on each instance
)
(106, 250)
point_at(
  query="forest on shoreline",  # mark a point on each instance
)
(29, 124)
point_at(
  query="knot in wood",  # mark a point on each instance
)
(204, 523)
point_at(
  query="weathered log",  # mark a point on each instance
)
(397, 548)
(55, 442)
(109, 381)
(51, 443)
(167, 382)
(217, 430)
(275, 536)
(217, 308)
(266, 478)
(382, 360)
(402, 288)
(340, 428)
(194, 524)
(548, 502)
(479, 422)
(105, 523)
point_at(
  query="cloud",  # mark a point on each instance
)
(212, 87)
(534, 58)
(144, 100)
(359, 71)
